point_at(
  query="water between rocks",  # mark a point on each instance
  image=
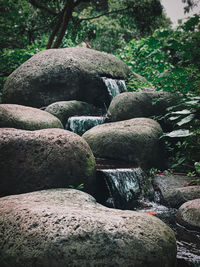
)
(114, 86)
(81, 124)
(122, 188)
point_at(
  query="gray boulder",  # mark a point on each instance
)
(26, 118)
(67, 227)
(174, 189)
(50, 158)
(146, 103)
(135, 141)
(189, 214)
(65, 109)
(63, 74)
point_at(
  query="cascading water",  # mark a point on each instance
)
(114, 86)
(80, 124)
(123, 186)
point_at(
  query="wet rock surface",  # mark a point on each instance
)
(65, 109)
(63, 74)
(135, 141)
(68, 228)
(188, 214)
(50, 158)
(26, 118)
(174, 190)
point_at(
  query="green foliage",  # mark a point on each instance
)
(10, 59)
(169, 59)
(79, 187)
(112, 31)
(183, 141)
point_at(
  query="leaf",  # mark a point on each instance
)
(178, 133)
(186, 120)
(173, 118)
(182, 112)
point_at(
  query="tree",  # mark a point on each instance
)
(65, 12)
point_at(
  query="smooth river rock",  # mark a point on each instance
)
(63, 74)
(189, 214)
(174, 189)
(65, 109)
(145, 103)
(26, 118)
(64, 227)
(50, 158)
(135, 141)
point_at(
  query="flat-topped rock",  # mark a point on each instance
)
(63, 74)
(26, 118)
(135, 141)
(67, 227)
(65, 109)
(189, 214)
(50, 158)
(174, 189)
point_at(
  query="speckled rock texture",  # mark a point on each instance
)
(63, 74)
(146, 103)
(174, 189)
(64, 227)
(189, 214)
(135, 141)
(50, 158)
(26, 118)
(65, 109)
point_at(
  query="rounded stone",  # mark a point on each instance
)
(189, 214)
(174, 190)
(64, 227)
(65, 109)
(26, 118)
(135, 141)
(63, 74)
(50, 158)
(146, 103)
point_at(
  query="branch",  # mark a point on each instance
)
(105, 14)
(37, 5)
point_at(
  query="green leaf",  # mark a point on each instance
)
(178, 133)
(182, 112)
(186, 120)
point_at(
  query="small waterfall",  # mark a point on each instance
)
(80, 124)
(123, 186)
(114, 86)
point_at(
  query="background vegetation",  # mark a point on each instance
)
(138, 32)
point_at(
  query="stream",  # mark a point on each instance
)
(123, 186)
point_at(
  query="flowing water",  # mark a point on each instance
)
(114, 86)
(188, 242)
(81, 124)
(122, 188)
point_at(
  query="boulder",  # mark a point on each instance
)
(146, 103)
(174, 189)
(65, 227)
(65, 109)
(50, 158)
(26, 118)
(63, 74)
(189, 214)
(135, 141)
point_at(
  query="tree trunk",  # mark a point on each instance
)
(55, 31)
(67, 15)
